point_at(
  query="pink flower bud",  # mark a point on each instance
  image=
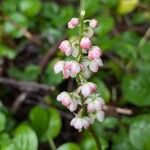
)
(70, 25)
(64, 98)
(74, 21)
(93, 23)
(87, 89)
(58, 67)
(94, 53)
(85, 43)
(66, 47)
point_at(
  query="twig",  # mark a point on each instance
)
(27, 86)
(48, 56)
(19, 100)
(119, 110)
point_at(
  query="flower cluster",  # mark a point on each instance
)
(86, 104)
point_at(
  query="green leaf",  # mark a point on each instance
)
(30, 7)
(25, 138)
(2, 121)
(15, 26)
(102, 89)
(88, 143)
(54, 123)
(30, 73)
(51, 77)
(7, 52)
(107, 23)
(136, 89)
(91, 4)
(69, 146)
(121, 141)
(126, 6)
(39, 118)
(139, 133)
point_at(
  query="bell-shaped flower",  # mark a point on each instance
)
(58, 67)
(71, 69)
(94, 53)
(85, 43)
(80, 122)
(66, 47)
(87, 89)
(94, 103)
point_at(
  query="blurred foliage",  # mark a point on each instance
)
(123, 81)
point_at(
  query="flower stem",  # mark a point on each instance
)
(96, 138)
(52, 144)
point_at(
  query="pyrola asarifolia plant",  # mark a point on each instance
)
(84, 101)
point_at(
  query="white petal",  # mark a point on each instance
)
(100, 115)
(58, 67)
(93, 66)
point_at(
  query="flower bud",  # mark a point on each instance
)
(58, 67)
(66, 47)
(87, 89)
(74, 21)
(93, 23)
(85, 43)
(94, 53)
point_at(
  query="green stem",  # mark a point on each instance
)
(52, 144)
(96, 138)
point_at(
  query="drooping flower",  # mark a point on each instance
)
(64, 98)
(80, 122)
(87, 89)
(71, 69)
(66, 47)
(94, 103)
(58, 67)
(94, 53)
(70, 100)
(85, 43)
(93, 23)
(95, 64)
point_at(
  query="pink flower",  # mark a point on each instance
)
(58, 67)
(85, 43)
(95, 104)
(95, 64)
(94, 53)
(66, 47)
(87, 89)
(70, 100)
(80, 122)
(64, 98)
(71, 69)
(73, 23)
(93, 23)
